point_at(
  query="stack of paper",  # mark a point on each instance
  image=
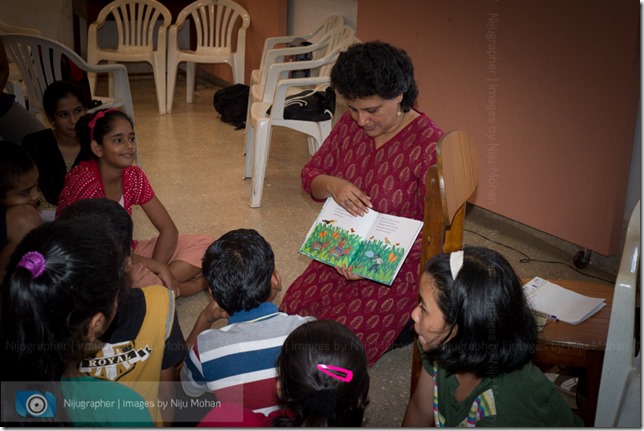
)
(557, 302)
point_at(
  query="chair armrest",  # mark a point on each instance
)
(277, 109)
(279, 71)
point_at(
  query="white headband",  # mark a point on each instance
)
(456, 262)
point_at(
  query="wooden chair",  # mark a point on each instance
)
(450, 183)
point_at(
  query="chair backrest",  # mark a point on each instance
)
(41, 61)
(450, 183)
(215, 22)
(323, 27)
(136, 22)
(8, 28)
(620, 395)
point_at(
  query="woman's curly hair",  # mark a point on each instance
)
(375, 69)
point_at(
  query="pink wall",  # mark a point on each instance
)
(547, 88)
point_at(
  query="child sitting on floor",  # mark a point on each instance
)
(145, 323)
(110, 136)
(477, 335)
(323, 382)
(19, 198)
(59, 296)
(237, 362)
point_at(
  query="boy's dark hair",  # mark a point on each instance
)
(106, 212)
(375, 69)
(238, 267)
(56, 91)
(15, 162)
(485, 306)
(317, 399)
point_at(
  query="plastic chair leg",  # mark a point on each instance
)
(262, 146)
(190, 80)
(171, 81)
(249, 144)
(160, 83)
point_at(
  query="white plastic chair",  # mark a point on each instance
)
(14, 84)
(260, 124)
(619, 403)
(279, 66)
(140, 25)
(214, 24)
(312, 37)
(39, 60)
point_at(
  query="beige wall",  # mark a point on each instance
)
(548, 89)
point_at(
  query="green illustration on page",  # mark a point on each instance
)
(374, 246)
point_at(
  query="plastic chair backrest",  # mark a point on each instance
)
(136, 22)
(8, 28)
(214, 23)
(620, 395)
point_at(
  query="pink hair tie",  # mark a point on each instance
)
(98, 116)
(34, 262)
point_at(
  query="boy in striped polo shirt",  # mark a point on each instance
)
(237, 362)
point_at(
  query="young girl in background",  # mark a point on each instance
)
(174, 259)
(58, 297)
(19, 196)
(323, 382)
(57, 150)
(477, 335)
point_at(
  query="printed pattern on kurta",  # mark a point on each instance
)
(394, 177)
(482, 406)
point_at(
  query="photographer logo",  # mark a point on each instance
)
(35, 404)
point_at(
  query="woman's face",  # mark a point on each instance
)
(429, 321)
(118, 147)
(68, 110)
(375, 115)
(24, 191)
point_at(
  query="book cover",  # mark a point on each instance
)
(374, 245)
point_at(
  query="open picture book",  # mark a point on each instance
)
(374, 245)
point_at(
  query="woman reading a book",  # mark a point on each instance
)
(376, 157)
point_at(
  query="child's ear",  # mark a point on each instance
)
(97, 326)
(96, 149)
(278, 389)
(276, 280)
(128, 264)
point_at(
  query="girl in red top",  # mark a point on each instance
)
(170, 258)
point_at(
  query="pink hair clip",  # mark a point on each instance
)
(338, 373)
(98, 116)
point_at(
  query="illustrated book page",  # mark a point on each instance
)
(374, 245)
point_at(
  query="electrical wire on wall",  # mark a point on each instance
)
(528, 259)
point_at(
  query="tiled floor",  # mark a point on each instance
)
(195, 164)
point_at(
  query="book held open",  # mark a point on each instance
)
(374, 245)
(558, 302)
